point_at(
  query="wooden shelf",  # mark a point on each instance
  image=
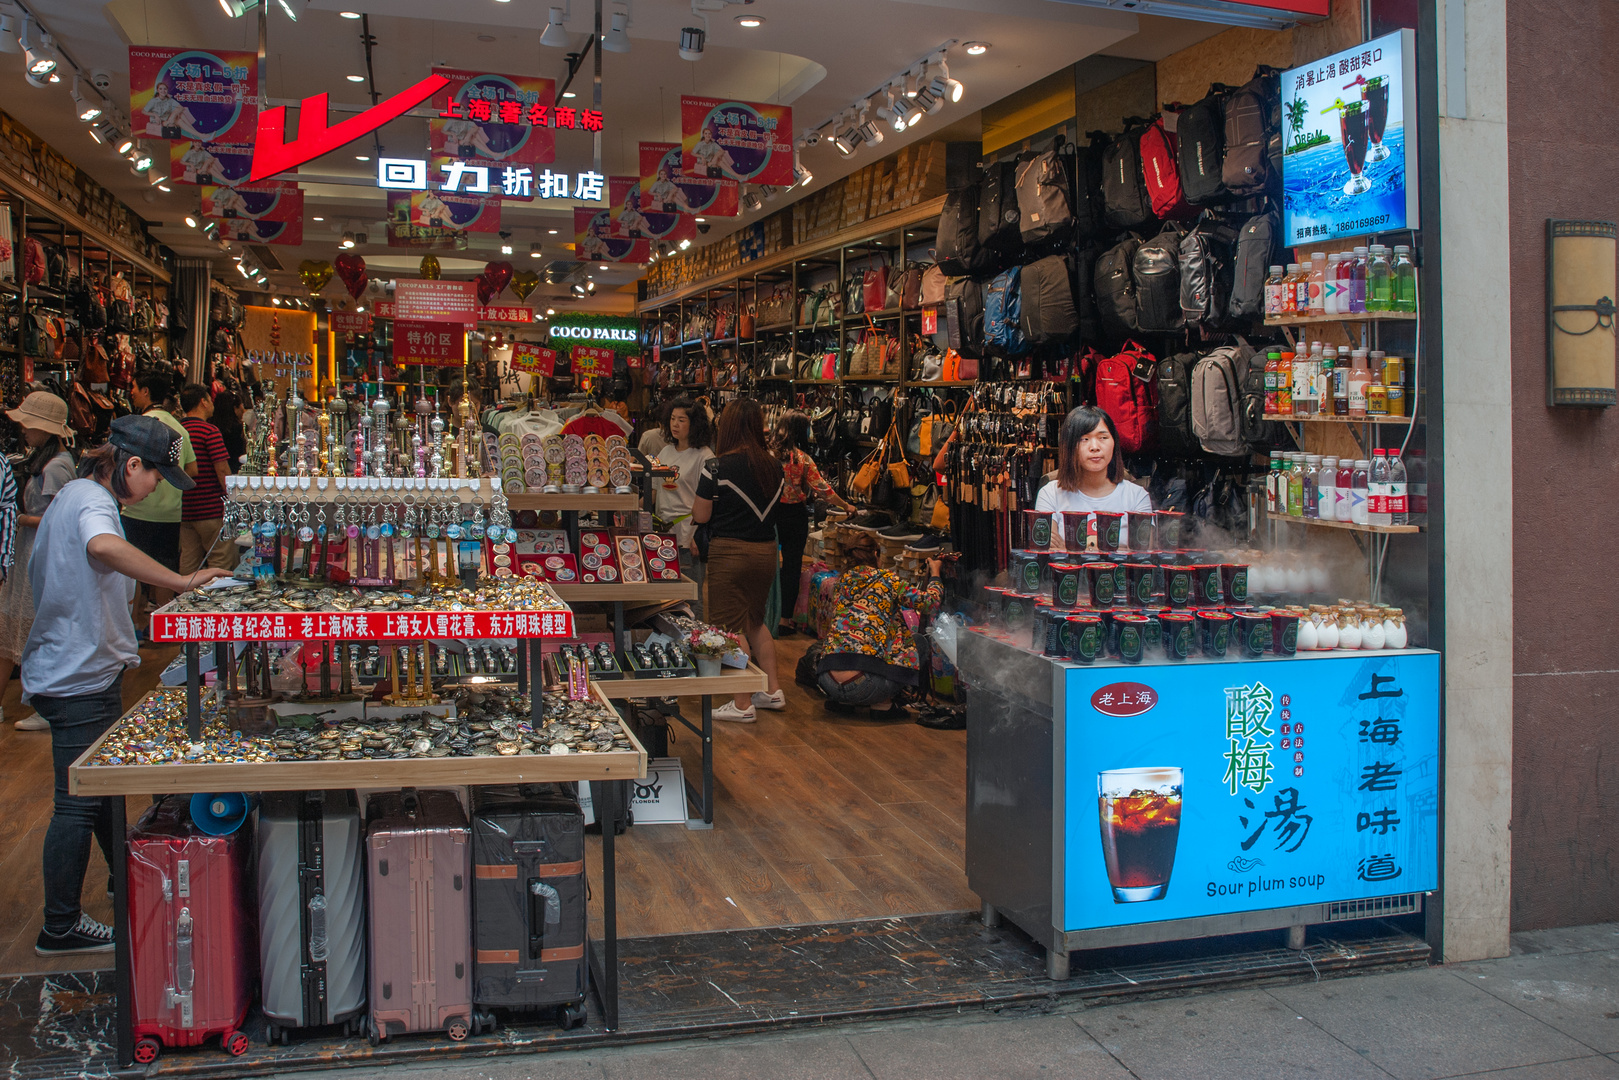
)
(1346, 526)
(652, 592)
(1368, 316)
(533, 500)
(1342, 419)
(729, 682)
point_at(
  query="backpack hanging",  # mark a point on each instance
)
(1047, 311)
(999, 228)
(1217, 400)
(1160, 171)
(964, 317)
(1205, 269)
(1002, 308)
(1172, 383)
(1253, 121)
(1155, 270)
(1256, 251)
(1124, 191)
(1200, 148)
(1124, 390)
(956, 244)
(1044, 213)
(1115, 290)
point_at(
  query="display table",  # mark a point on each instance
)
(1116, 804)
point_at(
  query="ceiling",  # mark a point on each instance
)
(817, 57)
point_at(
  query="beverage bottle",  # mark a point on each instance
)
(1273, 292)
(1290, 290)
(1318, 360)
(1324, 380)
(1398, 514)
(1273, 362)
(1318, 283)
(1359, 484)
(1359, 378)
(1346, 483)
(1394, 385)
(1357, 284)
(1346, 280)
(1270, 481)
(1312, 472)
(1377, 510)
(1340, 383)
(1405, 279)
(1295, 487)
(1329, 284)
(1379, 280)
(1301, 288)
(1326, 490)
(1284, 385)
(1377, 396)
(1416, 500)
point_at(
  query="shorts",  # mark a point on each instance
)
(159, 539)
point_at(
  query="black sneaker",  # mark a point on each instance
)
(940, 719)
(87, 937)
(929, 542)
(899, 532)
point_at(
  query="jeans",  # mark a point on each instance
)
(792, 526)
(76, 722)
(864, 689)
(697, 570)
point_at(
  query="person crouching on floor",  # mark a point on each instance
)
(870, 653)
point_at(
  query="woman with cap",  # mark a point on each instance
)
(83, 575)
(46, 469)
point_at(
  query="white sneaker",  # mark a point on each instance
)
(762, 700)
(32, 722)
(730, 712)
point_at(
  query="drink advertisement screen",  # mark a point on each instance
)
(1349, 142)
(1217, 788)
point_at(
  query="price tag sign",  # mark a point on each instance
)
(590, 360)
(930, 320)
(533, 359)
(434, 344)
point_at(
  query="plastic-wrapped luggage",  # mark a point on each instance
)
(192, 958)
(311, 910)
(529, 918)
(418, 859)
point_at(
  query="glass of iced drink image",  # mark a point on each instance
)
(1140, 814)
(1352, 125)
(1376, 96)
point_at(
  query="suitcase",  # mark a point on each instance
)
(311, 910)
(419, 862)
(528, 883)
(192, 956)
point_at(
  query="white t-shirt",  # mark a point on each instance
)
(1125, 498)
(82, 636)
(675, 494)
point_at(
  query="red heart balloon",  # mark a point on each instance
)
(497, 274)
(351, 268)
(486, 292)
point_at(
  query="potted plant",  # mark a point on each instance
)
(707, 644)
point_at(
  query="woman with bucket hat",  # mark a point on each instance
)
(46, 469)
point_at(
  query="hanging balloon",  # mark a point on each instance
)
(351, 268)
(429, 268)
(497, 274)
(314, 274)
(486, 292)
(524, 282)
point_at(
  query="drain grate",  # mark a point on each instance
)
(1376, 908)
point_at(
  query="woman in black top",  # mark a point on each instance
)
(738, 498)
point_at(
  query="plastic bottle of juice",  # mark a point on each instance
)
(1312, 472)
(1377, 510)
(1340, 383)
(1270, 481)
(1273, 362)
(1346, 494)
(1295, 487)
(1326, 490)
(1405, 279)
(1359, 489)
(1325, 379)
(1346, 280)
(1301, 287)
(1379, 280)
(1360, 377)
(1318, 283)
(1357, 285)
(1273, 292)
(1284, 385)
(1329, 284)
(1290, 290)
(1398, 514)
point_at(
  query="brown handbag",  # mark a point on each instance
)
(744, 325)
(874, 288)
(910, 293)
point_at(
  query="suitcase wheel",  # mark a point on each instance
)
(570, 1016)
(234, 1042)
(147, 1049)
(456, 1029)
(373, 1034)
(482, 1022)
(269, 1034)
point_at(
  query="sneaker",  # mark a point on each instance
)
(762, 700)
(87, 937)
(899, 532)
(929, 542)
(730, 712)
(32, 722)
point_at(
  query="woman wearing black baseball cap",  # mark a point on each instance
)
(82, 574)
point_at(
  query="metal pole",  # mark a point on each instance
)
(596, 86)
(123, 974)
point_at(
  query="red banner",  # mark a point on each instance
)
(249, 231)
(534, 359)
(736, 140)
(384, 626)
(193, 94)
(387, 309)
(430, 300)
(275, 200)
(590, 360)
(497, 118)
(631, 220)
(350, 322)
(592, 242)
(433, 344)
(667, 189)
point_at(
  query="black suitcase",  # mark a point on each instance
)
(528, 901)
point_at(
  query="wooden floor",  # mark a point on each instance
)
(818, 818)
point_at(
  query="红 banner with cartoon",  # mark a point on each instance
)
(428, 219)
(273, 200)
(736, 140)
(224, 164)
(193, 94)
(1211, 788)
(593, 240)
(495, 119)
(667, 189)
(632, 220)
(252, 231)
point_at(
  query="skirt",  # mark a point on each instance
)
(740, 573)
(17, 600)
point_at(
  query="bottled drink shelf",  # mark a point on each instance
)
(1347, 526)
(1366, 316)
(1357, 420)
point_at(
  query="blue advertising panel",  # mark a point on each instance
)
(1349, 142)
(1215, 788)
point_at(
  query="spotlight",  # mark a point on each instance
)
(578, 290)
(235, 9)
(505, 249)
(211, 230)
(355, 78)
(904, 109)
(846, 142)
(684, 244)
(692, 39)
(84, 110)
(164, 188)
(928, 102)
(802, 176)
(348, 14)
(555, 34)
(38, 60)
(126, 145)
(8, 34)
(590, 286)
(870, 132)
(140, 159)
(191, 221)
(550, 311)
(534, 251)
(156, 178)
(976, 48)
(952, 89)
(616, 40)
(276, 300)
(751, 201)
(750, 21)
(604, 266)
(348, 240)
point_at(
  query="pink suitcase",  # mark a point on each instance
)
(419, 865)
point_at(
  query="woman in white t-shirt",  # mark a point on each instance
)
(1090, 474)
(687, 429)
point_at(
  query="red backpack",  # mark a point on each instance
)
(1124, 390)
(1160, 168)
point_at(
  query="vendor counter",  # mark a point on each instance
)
(1117, 804)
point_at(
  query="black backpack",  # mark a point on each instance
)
(1124, 190)
(1173, 377)
(1206, 254)
(1115, 288)
(1200, 146)
(1253, 135)
(1256, 251)
(957, 242)
(1082, 262)
(964, 317)
(1155, 269)
(1090, 211)
(999, 228)
(1048, 314)
(1044, 190)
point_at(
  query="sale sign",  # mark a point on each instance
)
(227, 164)
(666, 189)
(425, 300)
(632, 221)
(594, 242)
(487, 118)
(274, 200)
(736, 140)
(193, 94)
(432, 344)
(533, 359)
(590, 360)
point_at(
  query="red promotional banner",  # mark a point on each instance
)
(275, 200)
(533, 359)
(381, 626)
(736, 140)
(590, 360)
(488, 119)
(433, 344)
(249, 231)
(423, 300)
(593, 242)
(386, 309)
(228, 164)
(350, 322)
(632, 221)
(666, 189)
(193, 94)
(427, 212)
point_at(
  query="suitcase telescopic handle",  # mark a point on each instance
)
(544, 909)
(318, 949)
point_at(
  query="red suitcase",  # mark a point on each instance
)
(193, 953)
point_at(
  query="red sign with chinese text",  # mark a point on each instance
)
(498, 118)
(433, 344)
(533, 359)
(387, 309)
(1124, 699)
(424, 300)
(385, 626)
(350, 322)
(736, 140)
(590, 360)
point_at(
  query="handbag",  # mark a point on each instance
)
(744, 325)
(966, 369)
(857, 359)
(911, 287)
(854, 295)
(874, 288)
(933, 283)
(941, 515)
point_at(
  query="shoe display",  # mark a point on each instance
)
(33, 722)
(929, 542)
(87, 937)
(777, 701)
(729, 712)
(899, 532)
(943, 719)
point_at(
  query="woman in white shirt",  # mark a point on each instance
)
(687, 429)
(1090, 474)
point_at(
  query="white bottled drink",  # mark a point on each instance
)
(1377, 510)
(1398, 513)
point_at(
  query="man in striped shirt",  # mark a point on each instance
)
(203, 508)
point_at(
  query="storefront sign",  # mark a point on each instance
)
(193, 94)
(589, 360)
(594, 332)
(423, 300)
(505, 118)
(1349, 142)
(350, 322)
(275, 200)
(486, 313)
(433, 344)
(593, 240)
(631, 220)
(533, 359)
(666, 189)
(414, 174)
(1211, 789)
(227, 164)
(736, 140)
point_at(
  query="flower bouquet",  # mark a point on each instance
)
(708, 645)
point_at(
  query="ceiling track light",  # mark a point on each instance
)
(751, 200)
(8, 33)
(616, 39)
(534, 251)
(39, 61)
(556, 35)
(692, 40)
(85, 110)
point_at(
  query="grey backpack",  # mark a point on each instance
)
(1217, 401)
(1042, 198)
